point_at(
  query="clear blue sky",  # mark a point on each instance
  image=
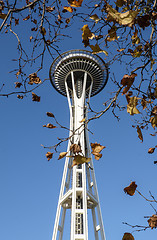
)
(30, 185)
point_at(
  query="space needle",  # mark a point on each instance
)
(78, 75)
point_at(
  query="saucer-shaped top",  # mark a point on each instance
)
(78, 61)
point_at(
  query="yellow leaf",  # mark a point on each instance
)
(78, 159)
(97, 49)
(126, 18)
(95, 18)
(62, 155)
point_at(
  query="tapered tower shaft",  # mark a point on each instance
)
(78, 191)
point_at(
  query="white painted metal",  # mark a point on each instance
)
(81, 193)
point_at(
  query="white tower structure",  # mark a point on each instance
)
(78, 74)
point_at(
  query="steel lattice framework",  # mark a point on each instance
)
(78, 74)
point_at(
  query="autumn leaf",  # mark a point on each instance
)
(128, 236)
(140, 136)
(132, 103)
(126, 18)
(18, 84)
(97, 49)
(95, 18)
(50, 9)
(78, 159)
(34, 79)
(75, 3)
(35, 98)
(26, 18)
(120, 3)
(153, 121)
(3, 15)
(49, 155)
(130, 190)
(20, 96)
(151, 150)
(152, 221)
(16, 21)
(86, 35)
(112, 34)
(127, 81)
(154, 111)
(75, 148)
(96, 149)
(49, 125)
(69, 9)
(62, 155)
(43, 31)
(49, 114)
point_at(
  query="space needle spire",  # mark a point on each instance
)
(78, 75)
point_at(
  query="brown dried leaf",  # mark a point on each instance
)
(62, 155)
(49, 125)
(130, 190)
(95, 18)
(127, 81)
(69, 9)
(3, 15)
(35, 98)
(34, 79)
(140, 136)
(75, 3)
(112, 34)
(20, 96)
(97, 49)
(49, 114)
(96, 149)
(151, 150)
(43, 31)
(50, 9)
(125, 18)
(49, 155)
(78, 159)
(16, 21)
(18, 84)
(128, 236)
(26, 18)
(152, 221)
(75, 148)
(153, 121)
(132, 103)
